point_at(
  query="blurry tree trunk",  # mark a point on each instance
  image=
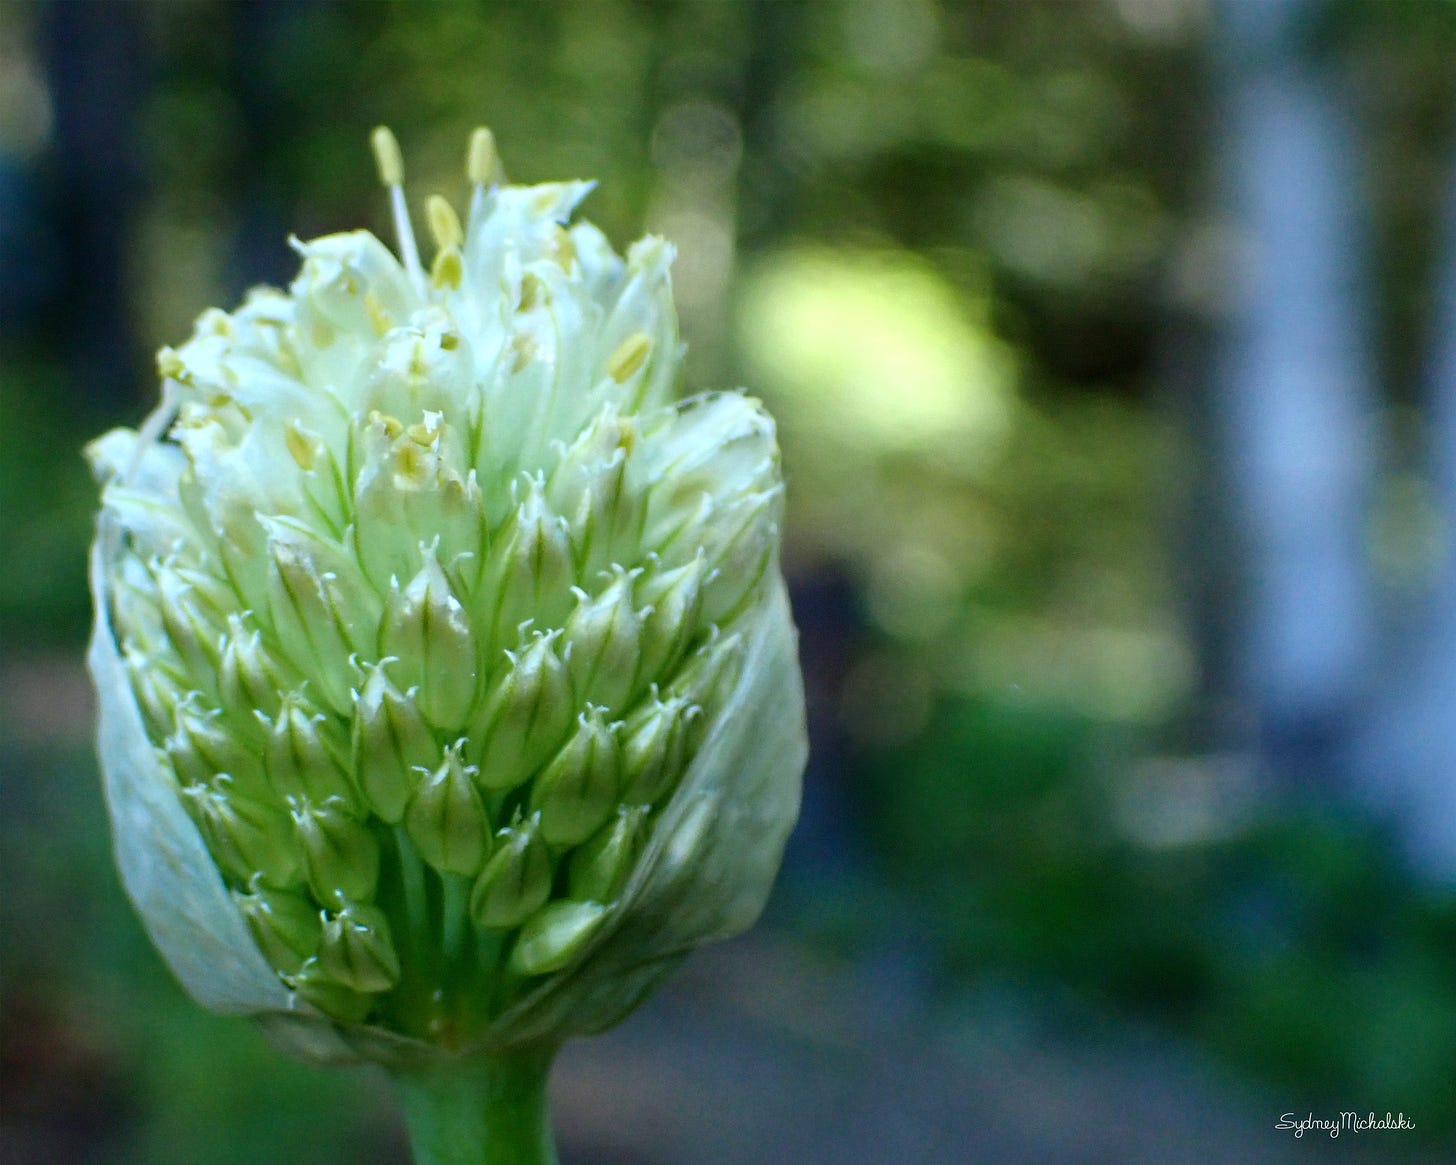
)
(1410, 747)
(1293, 396)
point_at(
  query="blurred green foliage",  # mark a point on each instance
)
(942, 240)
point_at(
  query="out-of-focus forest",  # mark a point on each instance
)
(1113, 348)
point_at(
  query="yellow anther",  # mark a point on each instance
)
(481, 158)
(170, 365)
(214, 322)
(444, 222)
(531, 291)
(301, 447)
(523, 350)
(387, 156)
(630, 355)
(388, 425)
(288, 360)
(449, 341)
(563, 248)
(378, 318)
(411, 467)
(447, 269)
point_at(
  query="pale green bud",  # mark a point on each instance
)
(314, 985)
(313, 614)
(285, 925)
(671, 614)
(429, 632)
(600, 866)
(246, 837)
(446, 819)
(516, 882)
(739, 542)
(340, 854)
(578, 788)
(382, 534)
(356, 950)
(593, 488)
(156, 690)
(190, 633)
(135, 606)
(250, 678)
(526, 715)
(655, 747)
(530, 572)
(710, 671)
(390, 740)
(211, 599)
(604, 633)
(203, 746)
(303, 753)
(551, 937)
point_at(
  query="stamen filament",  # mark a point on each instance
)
(390, 161)
(481, 164)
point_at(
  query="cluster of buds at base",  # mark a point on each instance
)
(447, 683)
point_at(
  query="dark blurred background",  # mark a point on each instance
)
(1113, 345)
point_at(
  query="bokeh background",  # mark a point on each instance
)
(1113, 344)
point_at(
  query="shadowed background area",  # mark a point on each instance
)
(1113, 348)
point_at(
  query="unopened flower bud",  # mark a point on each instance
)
(739, 542)
(314, 611)
(340, 854)
(285, 925)
(552, 937)
(302, 757)
(671, 608)
(593, 488)
(314, 985)
(709, 671)
(516, 882)
(526, 715)
(391, 739)
(246, 837)
(202, 747)
(356, 950)
(604, 633)
(530, 572)
(429, 632)
(655, 748)
(250, 679)
(445, 818)
(600, 866)
(194, 636)
(577, 789)
(156, 690)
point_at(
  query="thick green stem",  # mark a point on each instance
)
(481, 1110)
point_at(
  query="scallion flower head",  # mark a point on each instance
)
(448, 689)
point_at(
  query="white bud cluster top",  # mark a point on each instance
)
(428, 594)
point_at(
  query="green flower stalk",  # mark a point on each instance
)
(448, 687)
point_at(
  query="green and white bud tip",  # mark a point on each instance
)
(448, 688)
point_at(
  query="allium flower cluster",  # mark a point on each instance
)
(448, 685)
